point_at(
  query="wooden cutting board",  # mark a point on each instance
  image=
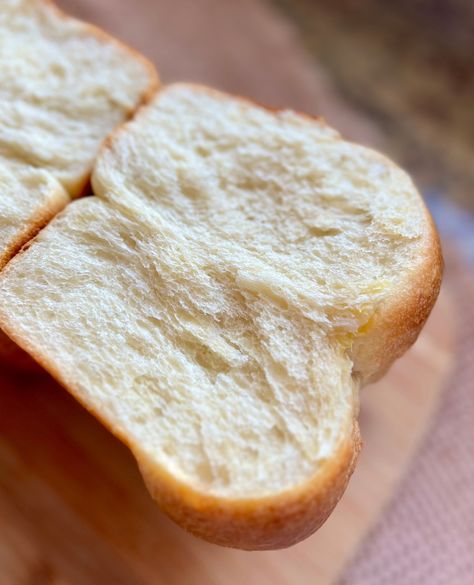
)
(74, 510)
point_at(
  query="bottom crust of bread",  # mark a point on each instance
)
(256, 524)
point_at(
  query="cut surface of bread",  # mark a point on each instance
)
(64, 86)
(27, 198)
(238, 276)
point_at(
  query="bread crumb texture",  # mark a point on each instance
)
(64, 86)
(205, 302)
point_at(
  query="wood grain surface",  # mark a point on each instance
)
(73, 507)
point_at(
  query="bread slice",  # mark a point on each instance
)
(238, 276)
(64, 86)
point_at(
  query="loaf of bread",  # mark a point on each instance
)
(64, 86)
(238, 276)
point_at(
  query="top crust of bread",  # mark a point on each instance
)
(238, 276)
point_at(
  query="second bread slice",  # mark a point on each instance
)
(64, 86)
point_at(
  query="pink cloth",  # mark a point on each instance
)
(426, 536)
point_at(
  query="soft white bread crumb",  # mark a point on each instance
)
(64, 86)
(212, 303)
(21, 212)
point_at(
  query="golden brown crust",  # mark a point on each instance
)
(398, 322)
(264, 523)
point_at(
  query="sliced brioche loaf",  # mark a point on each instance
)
(238, 276)
(64, 86)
